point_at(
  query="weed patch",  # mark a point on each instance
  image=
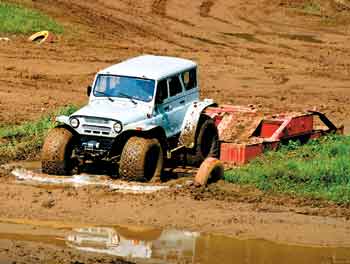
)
(24, 141)
(319, 169)
(312, 8)
(17, 19)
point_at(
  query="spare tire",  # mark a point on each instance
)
(141, 160)
(56, 155)
(211, 170)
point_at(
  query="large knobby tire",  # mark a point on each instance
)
(141, 160)
(207, 142)
(56, 155)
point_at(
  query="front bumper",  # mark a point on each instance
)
(94, 147)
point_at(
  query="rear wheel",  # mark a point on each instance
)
(207, 143)
(141, 159)
(56, 155)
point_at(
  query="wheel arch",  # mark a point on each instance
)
(69, 128)
(155, 132)
(193, 117)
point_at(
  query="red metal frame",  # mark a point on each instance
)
(268, 134)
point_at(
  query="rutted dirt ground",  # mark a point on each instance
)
(266, 53)
(271, 54)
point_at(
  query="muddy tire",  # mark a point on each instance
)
(57, 151)
(211, 170)
(141, 160)
(207, 143)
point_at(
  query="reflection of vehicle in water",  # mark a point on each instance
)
(148, 245)
(169, 245)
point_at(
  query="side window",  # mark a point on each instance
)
(162, 90)
(189, 79)
(175, 86)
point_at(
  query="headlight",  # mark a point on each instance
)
(74, 122)
(117, 127)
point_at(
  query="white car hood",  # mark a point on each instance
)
(123, 111)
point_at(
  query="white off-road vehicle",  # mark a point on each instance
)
(140, 112)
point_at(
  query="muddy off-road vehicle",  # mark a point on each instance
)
(140, 112)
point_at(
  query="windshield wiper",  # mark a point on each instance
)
(109, 98)
(129, 97)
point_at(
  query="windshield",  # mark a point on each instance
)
(124, 87)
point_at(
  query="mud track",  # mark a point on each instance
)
(221, 208)
(266, 53)
(260, 52)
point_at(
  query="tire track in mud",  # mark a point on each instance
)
(205, 40)
(143, 30)
(83, 14)
(205, 8)
(101, 20)
(159, 8)
(93, 14)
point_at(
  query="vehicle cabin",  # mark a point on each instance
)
(175, 79)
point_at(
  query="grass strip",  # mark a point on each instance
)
(318, 169)
(17, 19)
(24, 141)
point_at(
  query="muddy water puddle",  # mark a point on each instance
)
(152, 245)
(29, 172)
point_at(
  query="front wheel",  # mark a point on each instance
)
(141, 160)
(56, 155)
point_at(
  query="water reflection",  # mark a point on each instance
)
(174, 246)
(136, 242)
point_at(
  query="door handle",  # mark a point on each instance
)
(182, 102)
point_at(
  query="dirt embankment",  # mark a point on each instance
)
(282, 55)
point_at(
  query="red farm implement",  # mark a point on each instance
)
(245, 133)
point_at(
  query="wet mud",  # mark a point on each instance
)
(222, 37)
(249, 52)
(91, 220)
(29, 172)
(142, 244)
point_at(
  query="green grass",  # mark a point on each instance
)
(17, 19)
(319, 169)
(312, 8)
(23, 141)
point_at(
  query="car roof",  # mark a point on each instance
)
(150, 67)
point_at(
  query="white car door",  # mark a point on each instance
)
(177, 103)
(163, 108)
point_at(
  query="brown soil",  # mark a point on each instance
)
(267, 53)
(271, 54)
(221, 208)
(24, 252)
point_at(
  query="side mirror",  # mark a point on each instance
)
(88, 90)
